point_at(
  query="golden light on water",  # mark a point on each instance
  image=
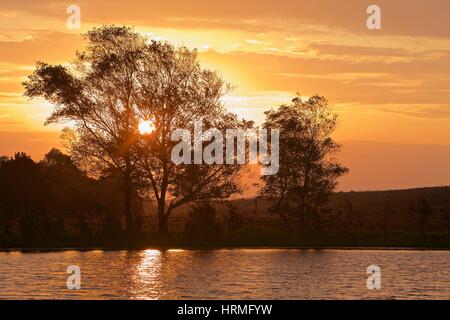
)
(146, 127)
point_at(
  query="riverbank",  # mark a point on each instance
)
(367, 241)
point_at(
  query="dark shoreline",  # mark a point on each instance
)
(163, 248)
(261, 240)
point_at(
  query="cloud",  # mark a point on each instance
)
(45, 46)
(381, 54)
(341, 81)
(420, 111)
(405, 17)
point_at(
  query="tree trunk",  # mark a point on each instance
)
(127, 203)
(284, 219)
(163, 228)
(301, 218)
(303, 195)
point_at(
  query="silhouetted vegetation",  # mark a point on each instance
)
(308, 171)
(201, 226)
(55, 201)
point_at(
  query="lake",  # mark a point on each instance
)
(226, 274)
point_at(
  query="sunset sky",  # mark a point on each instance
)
(391, 87)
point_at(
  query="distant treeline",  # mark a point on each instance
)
(415, 217)
(53, 200)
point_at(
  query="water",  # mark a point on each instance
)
(226, 274)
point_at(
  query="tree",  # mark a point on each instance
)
(23, 194)
(174, 92)
(121, 80)
(71, 192)
(308, 170)
(94, 95)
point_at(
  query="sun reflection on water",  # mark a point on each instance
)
(146, 278)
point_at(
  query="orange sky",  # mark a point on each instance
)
(390, 86)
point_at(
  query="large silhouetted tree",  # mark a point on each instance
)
(174, 91)
(308, 170)
(121, 79)
(94, 95)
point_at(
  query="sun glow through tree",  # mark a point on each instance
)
(146, 127)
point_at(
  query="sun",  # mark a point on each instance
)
(146, 127)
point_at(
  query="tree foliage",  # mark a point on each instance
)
(308, 169)
(174, 91)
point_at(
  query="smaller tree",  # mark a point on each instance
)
(308, 169)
